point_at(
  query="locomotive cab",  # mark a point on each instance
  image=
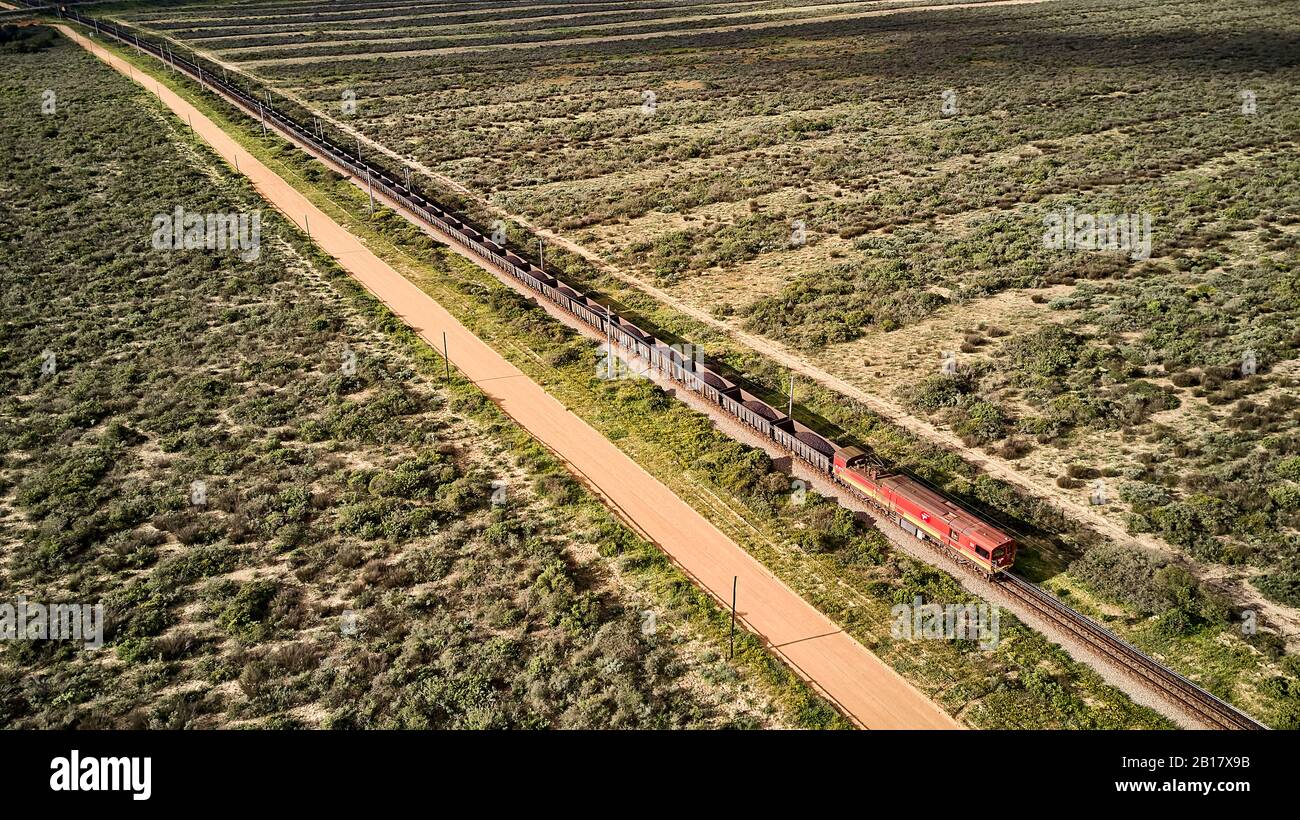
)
(998, 554)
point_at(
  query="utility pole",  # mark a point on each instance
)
(358, 139)
(446, 360)
(408, 179)
(370, 187)
(541, 254)
(306, 225)
(790, 410)
(610, 369)
(731, 652)
(262, 113)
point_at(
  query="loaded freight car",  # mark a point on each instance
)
(926, 514)
(803, 442)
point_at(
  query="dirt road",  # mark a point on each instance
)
(860, 683)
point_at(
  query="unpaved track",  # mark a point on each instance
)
(872, 693)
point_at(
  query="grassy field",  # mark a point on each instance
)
(289, 519)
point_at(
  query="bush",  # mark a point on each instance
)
(245, 617)
(1143, 497)
(1125, 575)
(1282, 585)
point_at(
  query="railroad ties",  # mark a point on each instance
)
(1215, 712)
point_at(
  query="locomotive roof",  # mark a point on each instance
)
(933, 503)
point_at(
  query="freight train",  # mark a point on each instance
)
(917, 509)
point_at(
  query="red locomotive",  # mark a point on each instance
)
(925, 514)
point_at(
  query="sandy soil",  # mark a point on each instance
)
(458, 29)
(578, 41)
(430, 9)
(373, 24)
(872, 693)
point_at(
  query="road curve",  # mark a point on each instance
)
(864, 687)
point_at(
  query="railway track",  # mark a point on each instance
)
(1173, 687)
(1210, 709)
(1213, 711)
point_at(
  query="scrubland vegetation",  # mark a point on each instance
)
(1113, 369)
(1027, 682)
(344, 563)
(912, 214)
(914, 217)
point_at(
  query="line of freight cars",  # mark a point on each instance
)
(919, 510)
